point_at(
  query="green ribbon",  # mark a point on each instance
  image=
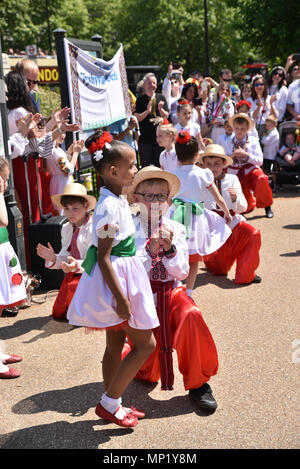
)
(125, 248)
(184, 211)
(3, 235)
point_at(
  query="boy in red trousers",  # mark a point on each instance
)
(247, 158)
(161, 243)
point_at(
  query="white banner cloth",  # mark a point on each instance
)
(98, 90)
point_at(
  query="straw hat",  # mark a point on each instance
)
(244, 116)
(217, 151)
(75, 189)
(152, 172)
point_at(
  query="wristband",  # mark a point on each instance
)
(171, 252)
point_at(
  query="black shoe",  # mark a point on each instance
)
(257, 279)
(203, 397)
(9, 312)
(269, 212)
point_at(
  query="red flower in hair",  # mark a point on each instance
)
(183, 137)
(183, 101)
(242, 103)
(99, 144)
(165, 122)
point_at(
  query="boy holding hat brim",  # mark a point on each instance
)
(76, 237)
(161, 243)
(247, 158)
(244, 242)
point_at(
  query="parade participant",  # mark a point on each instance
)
(184, 113)
(76, 238)
(12, 286)
(244, 242)
(247, 158)
(270, 141)
(119, 296)
(165, 136)
(206, 231)
(162, 246)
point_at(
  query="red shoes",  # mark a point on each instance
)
(127, 421)
(137, 413)
(11, 373)
(12, 359)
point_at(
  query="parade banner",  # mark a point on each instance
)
(98, 90)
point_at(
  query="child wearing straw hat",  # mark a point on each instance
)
(161, 244)
(247, 158)
(76, 237)
(244, 242)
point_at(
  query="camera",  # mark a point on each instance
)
(197, 101)
(175, 75)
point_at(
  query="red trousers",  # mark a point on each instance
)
(196, 351)
(20, 187)
(243, 247)
(65, 295)
(256, 182)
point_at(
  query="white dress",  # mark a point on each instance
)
(209, 231)
(193, 128)
(12, 286)
(168, 160)
(93, 304)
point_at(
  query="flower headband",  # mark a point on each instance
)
(183, 101)
(183, 137)
(242, 103)
(95, 148)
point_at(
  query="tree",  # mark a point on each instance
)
(272, 28)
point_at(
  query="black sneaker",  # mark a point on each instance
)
(257, 279)
(203, 397)
(9, 312)
(269, 212)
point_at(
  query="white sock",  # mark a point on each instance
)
(3, 368)
(4, 357)
(113, 405)
(189, 292)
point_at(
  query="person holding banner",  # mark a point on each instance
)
(149, 106)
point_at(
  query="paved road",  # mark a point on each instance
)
(257, 387)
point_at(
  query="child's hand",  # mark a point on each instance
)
(61, 115)
(233, 193)
(273, 99)
(123, 309)
(46, 253)
(228, 217)
(70, 266)
(166, 237)
(240, 155)
(78, 146)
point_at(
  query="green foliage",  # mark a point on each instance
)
(155, 32)
(50, 99)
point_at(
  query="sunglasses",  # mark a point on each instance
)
(36, 82)
(259, 84)
(280, 74)
(162, 197)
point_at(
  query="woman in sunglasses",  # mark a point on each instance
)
(262, 105)
(31, 71)
(276, 87)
